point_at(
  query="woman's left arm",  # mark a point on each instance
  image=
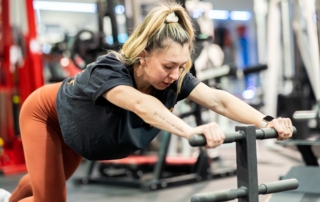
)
(230, 106)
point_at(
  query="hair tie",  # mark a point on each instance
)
(171, 18)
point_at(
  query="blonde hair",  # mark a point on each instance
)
(153, 34)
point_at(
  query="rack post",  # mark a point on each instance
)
(247, 174)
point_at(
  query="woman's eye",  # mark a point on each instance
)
(167, 67)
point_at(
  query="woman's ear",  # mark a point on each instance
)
(142, 58)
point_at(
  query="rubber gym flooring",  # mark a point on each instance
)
(273, 162)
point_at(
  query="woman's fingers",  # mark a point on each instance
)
(283, 126)
(213, 134)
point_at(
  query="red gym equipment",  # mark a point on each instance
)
(20, 74)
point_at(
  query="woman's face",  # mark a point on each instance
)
(162, 68)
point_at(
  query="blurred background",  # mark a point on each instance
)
(265, 52)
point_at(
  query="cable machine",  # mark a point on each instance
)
(20, 74)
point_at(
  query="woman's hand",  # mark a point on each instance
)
(212, 132)
(283, 126)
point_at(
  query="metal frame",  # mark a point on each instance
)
(247, 176)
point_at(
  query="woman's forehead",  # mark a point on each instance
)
(175, 53)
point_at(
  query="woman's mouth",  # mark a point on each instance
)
(166, 84)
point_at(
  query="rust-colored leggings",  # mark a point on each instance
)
(50, 162)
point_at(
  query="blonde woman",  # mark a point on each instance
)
(118, 104)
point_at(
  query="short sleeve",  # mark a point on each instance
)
(104, 74)
(188, 84)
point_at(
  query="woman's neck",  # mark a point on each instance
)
(142, 85)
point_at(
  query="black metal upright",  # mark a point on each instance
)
(113, 18)
(159, 167)
(247, 174)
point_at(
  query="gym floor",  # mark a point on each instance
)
(273, 162)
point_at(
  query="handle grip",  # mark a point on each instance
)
(267, 133)
(230, 194)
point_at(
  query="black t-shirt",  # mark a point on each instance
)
(98, 129)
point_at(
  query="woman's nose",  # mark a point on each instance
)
(175, 74)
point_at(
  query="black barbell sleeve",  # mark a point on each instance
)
(255, 69)
(200, 140)
(268, 133)
(230, 194)
(279, 186)
(222, 195)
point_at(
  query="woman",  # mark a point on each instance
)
(118, 104)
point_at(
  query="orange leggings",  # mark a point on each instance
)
(50, 162)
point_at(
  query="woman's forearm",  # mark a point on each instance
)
(153, 112)
(237, 110)
(148, 108)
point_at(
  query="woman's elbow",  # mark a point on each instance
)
(140, 106)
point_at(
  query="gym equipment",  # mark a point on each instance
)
(305, 144)
(308, 40)
(304, 139)
(85, 48)
(229, 70)
(87, 45)
(308, 115)
(58, 64)
(304, 27)
(308, 190)
(138, 165)
(248, 189)
(20, 74)
(293, 47)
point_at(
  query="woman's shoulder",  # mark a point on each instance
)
(107, 62)
(107, 58)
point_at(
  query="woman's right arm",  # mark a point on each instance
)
(147, 107)
(153, 112)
